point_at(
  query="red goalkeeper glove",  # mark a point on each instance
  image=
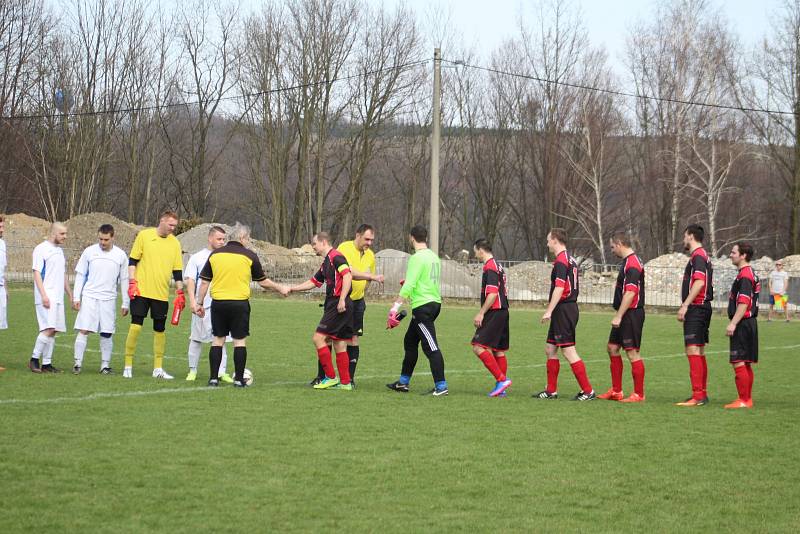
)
(133, 289)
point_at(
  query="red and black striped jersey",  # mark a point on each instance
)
(699, 268)
(494, 281)
(630, 278)
(565, 274)
(331, 273)
(745, 290)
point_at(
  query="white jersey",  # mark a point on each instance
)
(49, 260)
(3, 262)
(98, 274)
(196, 263)
(778, 280)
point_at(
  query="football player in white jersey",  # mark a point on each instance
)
(50, 283)
(101, 269)
(201, 326)
(3, 297)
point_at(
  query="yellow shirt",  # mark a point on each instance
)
(231, 268)
(364, 263)
(158, 257)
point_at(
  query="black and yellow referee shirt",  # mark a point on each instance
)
(232, 267)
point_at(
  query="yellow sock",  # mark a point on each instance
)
(130, 343)
(159, 343)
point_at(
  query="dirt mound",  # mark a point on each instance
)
(22, 234)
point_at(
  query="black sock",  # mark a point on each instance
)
(320, 370)
(352, 353)
(239, 361)
(214, 360)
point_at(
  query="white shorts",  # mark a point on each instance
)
(98, 316)
(201, 329)
(52, 317)
(3, 305)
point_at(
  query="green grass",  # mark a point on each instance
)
(91, 453)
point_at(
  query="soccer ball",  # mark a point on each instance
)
(248, 377)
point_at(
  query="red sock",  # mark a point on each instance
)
(502, 363)
(324, 355)
(343, 364)
(750, 374)
(704, 365)
(742, 379)
(616, 373)
(553, 365)
(579, 370)
(488, 360)
(696, 376)
(637, 370)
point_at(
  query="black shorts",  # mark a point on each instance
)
(230, 317)
(563, 323)
(141, 305)
(629, 333)
(744, 341)
(695, 326)
(493, 334)
(335, 325)
(359, 307)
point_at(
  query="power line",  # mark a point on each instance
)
(616, 92)
(222, 99)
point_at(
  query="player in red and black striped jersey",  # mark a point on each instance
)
(743, 327)
(562, 312)
(336, 325)
(628, 322)
(697, 292)
(491, 338)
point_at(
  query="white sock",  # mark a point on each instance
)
(38, 348)
(48, 351)
(195, 347)
(106, 348)
(80, 347)
(224, 365)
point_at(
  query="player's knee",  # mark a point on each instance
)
(159, 325)
(477, 350)
(318, 339)
(106, 335)
(613, 350)
(137, 319)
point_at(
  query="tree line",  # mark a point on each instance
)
(304, 115)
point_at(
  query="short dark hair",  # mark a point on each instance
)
(621, 238)
(419, 233)
(106, 229)
(363, 228)
(483, 244)
(323, 236)
(168, 213)
(745, 249)
(696, 231)
(559, 234)
(215, 229)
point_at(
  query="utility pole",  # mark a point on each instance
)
(435, 140)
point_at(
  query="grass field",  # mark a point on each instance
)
(95, 453)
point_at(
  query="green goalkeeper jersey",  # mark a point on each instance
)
(422, 278)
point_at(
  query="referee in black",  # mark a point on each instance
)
(231, 268)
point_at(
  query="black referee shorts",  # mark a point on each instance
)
(140, 306)
(744, 341)
(359, 307)
(695, 326)
(563, 323)
(493, 334)
(230, 317)
(335, 325)
(629, 333)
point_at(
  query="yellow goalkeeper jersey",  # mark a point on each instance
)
(158, 257)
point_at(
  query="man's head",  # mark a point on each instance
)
(556, 239)
(620, 244)
(365, 235)
(167, 222)
(482, 249)
(105, 237)
(693, 236)
(778, 264)
(58, 233)
(239, 233)
(741, 253)
(321, 243)
(2, 225)
(418, 235)
(216, 237)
